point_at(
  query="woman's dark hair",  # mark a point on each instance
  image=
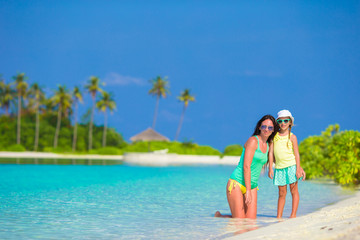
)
(258, 125)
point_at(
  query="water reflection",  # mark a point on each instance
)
(242, 225)
(57, 161)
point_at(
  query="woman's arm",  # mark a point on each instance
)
(250, 148)
(297, 155)
(271, 160)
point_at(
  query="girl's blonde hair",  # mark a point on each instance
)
(290, 126)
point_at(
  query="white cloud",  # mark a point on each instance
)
(113, 78)
(169, 116)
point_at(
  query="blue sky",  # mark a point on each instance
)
(241, 60)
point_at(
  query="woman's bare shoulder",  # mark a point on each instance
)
(251, 142)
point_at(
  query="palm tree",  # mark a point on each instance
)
(105, 102)
(92, 87)
(160, 87)
(77, 97)
(49, 107)
(7, 94)
(61, 99)
(2, 84)
(186, 98)
(37, 98)
(21, 89)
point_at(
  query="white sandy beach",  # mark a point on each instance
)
(172, 159)
(58, 156)
(143, 159)
(337, 221)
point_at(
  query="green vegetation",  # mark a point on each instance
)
(233, 150)
(16, 148)
(334, 154)
(47, 129)
(115, 142)
(173, 147)
(108, 151)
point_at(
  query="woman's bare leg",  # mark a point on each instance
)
(251, 210)
(295, 199)
(281, 200)
(218, 214)
(236, 203)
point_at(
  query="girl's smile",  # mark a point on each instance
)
(284, 123)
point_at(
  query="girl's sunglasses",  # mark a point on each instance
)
(270, 128)
(283, 120)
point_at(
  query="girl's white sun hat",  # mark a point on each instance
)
(285, 113)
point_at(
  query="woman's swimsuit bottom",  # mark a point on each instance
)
(233, 183)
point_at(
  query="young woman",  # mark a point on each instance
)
(242, 187)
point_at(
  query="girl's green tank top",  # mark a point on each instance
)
(257, 163)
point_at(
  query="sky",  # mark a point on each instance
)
(240, 59)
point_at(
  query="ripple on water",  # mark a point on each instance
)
(112, 202)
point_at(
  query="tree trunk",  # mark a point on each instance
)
(91, 124)
(75, 129)
(104, 133)
(18, 120)
(156, 111)
(36, 144)
(180, 123)
(57, 127)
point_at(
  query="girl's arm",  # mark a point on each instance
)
(271, 160)
(250, 148)
(299, 171)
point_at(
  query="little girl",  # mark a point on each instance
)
(285, 153)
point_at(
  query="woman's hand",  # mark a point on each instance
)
(248, 198)
(271, 173)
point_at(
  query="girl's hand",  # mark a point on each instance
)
(303, 174)
(271, 173)
(299, 172)
(248, 197)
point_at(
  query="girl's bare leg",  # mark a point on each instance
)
(251, 210)
(281, 201)
(295, 199)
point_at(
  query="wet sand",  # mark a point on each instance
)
(338, 221)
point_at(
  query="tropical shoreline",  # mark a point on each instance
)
(141, 159)
(338, 221)
(40, 155)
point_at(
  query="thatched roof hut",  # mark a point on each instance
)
(149, 135)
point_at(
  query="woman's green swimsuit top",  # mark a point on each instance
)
(257, 163)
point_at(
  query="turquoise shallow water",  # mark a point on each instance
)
(129, 202)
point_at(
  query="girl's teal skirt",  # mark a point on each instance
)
(285, 176)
